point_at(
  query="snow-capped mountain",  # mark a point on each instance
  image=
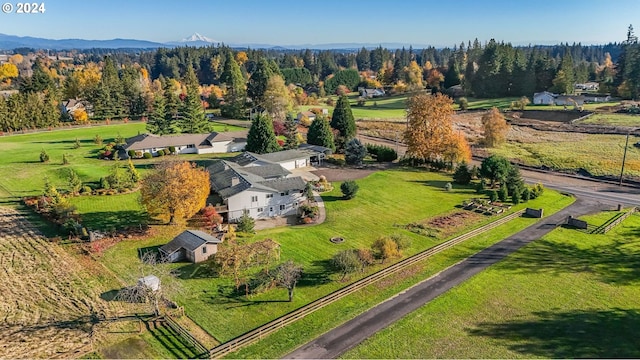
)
(198, 38)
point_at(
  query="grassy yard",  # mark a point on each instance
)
(612, 119)
(567, 295)
(22, 173)
(598, 154)
(374, 212)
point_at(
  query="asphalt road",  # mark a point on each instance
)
(337, 341)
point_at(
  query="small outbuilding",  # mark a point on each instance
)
(192, 245)
(151, 282)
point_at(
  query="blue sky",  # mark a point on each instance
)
(286, 22)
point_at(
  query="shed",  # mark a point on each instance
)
(192, 245)
(150, 281)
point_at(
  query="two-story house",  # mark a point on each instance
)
(263, 191)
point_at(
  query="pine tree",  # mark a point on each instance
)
(354, 152)
(343, 121)
(261, 138)
(320, 134)
(258, 82)
(235, 97)
(157, 123)
(291, 133)
(172, 109)
(192, 119)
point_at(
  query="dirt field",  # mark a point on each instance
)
(48, 305)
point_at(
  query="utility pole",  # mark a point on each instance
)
(624, 157)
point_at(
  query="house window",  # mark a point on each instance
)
(254, 198)
(191, 146)
(281, 194)
(204, 249)
(269, 196)
(295, 203)
(260, 210)
(282, 207)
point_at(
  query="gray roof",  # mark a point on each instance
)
(316, 148)
(189, 240)
(286, 184)
(244, 158)
(286, 155)
(149, 141)
(261, 178)
(268, 171)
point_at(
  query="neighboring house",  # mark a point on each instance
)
(595, 98)
(214, 142)
(589, 86)
(257, 111)
(544, 98)
(72, 105)
(371, 93)
(263, 190)
(192, 245)
(309, 155)
(569, 100)
(308, 114)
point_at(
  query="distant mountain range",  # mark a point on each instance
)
(8, 42)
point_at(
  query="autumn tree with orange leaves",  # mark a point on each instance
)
(458, 149)
(429, 126)
(495, 128)
(175, 190)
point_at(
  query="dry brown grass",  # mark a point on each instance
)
(48, 306)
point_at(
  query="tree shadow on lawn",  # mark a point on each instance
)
(112, 220)
(203, 270)
(440, 184)
(236, 297)
(318, 276)
(614, 263)
(573, 334)
(332, 198)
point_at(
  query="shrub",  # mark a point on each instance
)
(86, 190)
(493, 195)
(515, 197)
(354, 152)
(382, 153)
(349, 189)
(76, 144)
(172, 149)
(503, 193)
(480, 186)
(384, 248)
(462, 175)
(361, 102)
(65, 159)
(526, 194)
(98, 140)
(131, 153)
(246, 223)
(464, 103)
(104, 183)
(147, 155)
(402, 242)
(44, 157)
(161, 152)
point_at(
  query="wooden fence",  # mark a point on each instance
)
(186, 335)
(604, 228)
(270, 327)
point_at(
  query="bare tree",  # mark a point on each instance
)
(155, 282)
(287, 276)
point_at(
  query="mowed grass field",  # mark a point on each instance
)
(567, 295)
(22, 173)
(386, 199)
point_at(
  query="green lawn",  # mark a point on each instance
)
(110, 212)
(590, 106)
(22, 173)
(374, 212)
(612, 119)
(567, 295)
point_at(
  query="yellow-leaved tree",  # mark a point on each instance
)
(495, 128)
(429, 126)
(80, 116)
(175, 190)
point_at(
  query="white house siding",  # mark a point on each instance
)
(218, 147)
(543, 99)
(186, 150)
(236, 146)
(269, 206)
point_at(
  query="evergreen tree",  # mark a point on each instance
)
(343, 121)
(354, 152)
(564, 80)
(157, 123)
(291, 133)
(261, 138)
(462, 174)
(258, 81)
(235, 97)
(320, 134)
(452, 76)
(172, 109)
(192, 119)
